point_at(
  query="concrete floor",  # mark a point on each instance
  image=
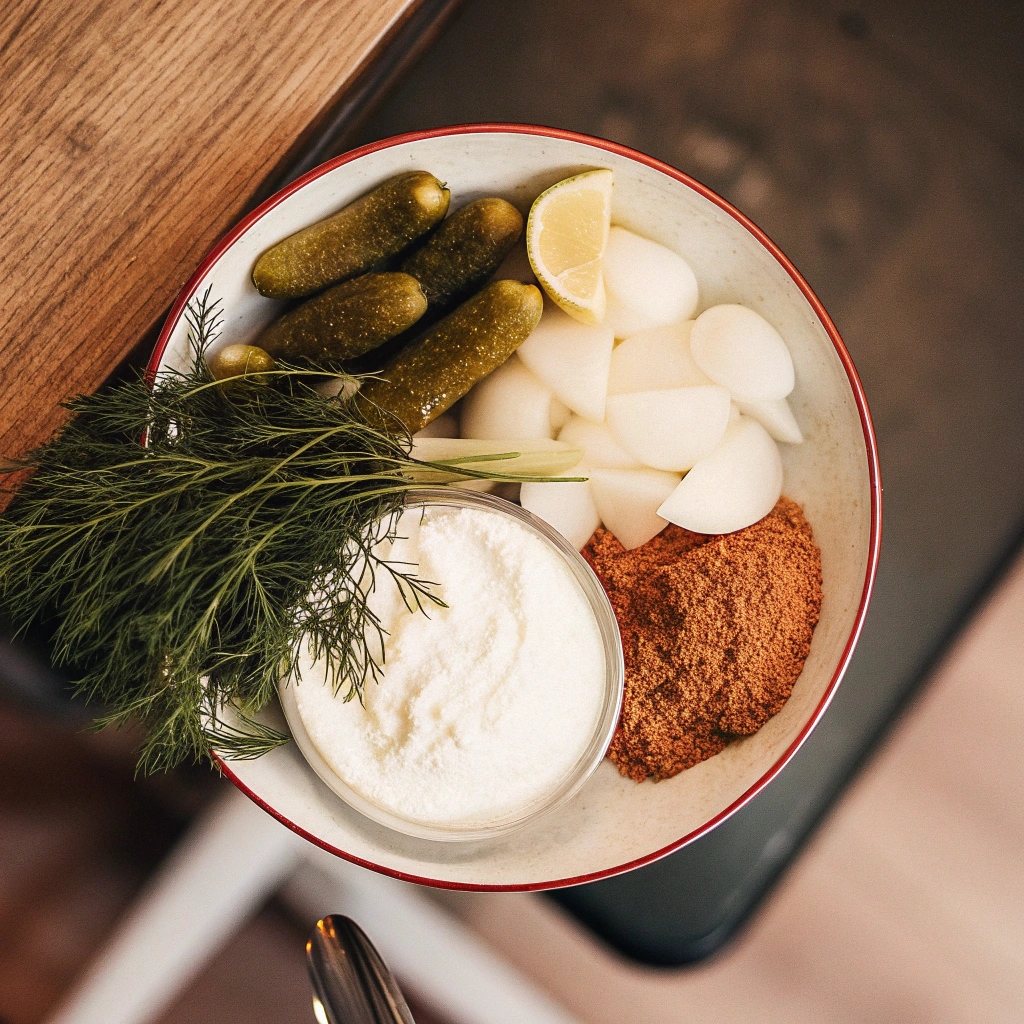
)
(882, 149)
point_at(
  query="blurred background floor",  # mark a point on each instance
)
(882, 149)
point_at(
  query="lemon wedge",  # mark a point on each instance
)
(566, 235)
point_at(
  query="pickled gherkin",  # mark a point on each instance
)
(347, 320)
(239, 361)
(374, 228)
(436, 370)
(465, 250)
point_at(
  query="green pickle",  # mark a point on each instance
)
(240, 360)
(347, 320)
(436, 370)
(374, 228)
(465, 249)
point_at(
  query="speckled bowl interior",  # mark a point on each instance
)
(612, 824)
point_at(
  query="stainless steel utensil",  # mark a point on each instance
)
(352, 983)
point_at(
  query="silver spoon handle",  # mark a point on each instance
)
(350, 979)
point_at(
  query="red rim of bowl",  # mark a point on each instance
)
(871, 451)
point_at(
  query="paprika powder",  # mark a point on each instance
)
(715, 631)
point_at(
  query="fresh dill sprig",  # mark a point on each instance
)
(183, 576)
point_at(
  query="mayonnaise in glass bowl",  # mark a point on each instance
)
(491, 711)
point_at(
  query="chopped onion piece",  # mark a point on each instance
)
(670, 429)
(654, 360)
(647, 284)
(568, 507)
(599, 445)
(735, 486)
(776, 417)
(740, 350)
(572, 359)
(510, 402)
(628, 500)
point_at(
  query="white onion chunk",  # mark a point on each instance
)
(740, 350)
(776, 417)
(568, 507)
(671, 429)
(572, 359)
(735, 486)
(627, 501)
(648, 285)
(600, 449)
(510, 402)
(654, 360)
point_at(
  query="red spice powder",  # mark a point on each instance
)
(715, 631)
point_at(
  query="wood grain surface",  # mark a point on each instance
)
(135, 132)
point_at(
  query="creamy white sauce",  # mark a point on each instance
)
(486, 705)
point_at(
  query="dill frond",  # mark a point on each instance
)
(183, 576)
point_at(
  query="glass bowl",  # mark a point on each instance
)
(571, 782)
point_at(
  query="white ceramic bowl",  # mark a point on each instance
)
(612, 824)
